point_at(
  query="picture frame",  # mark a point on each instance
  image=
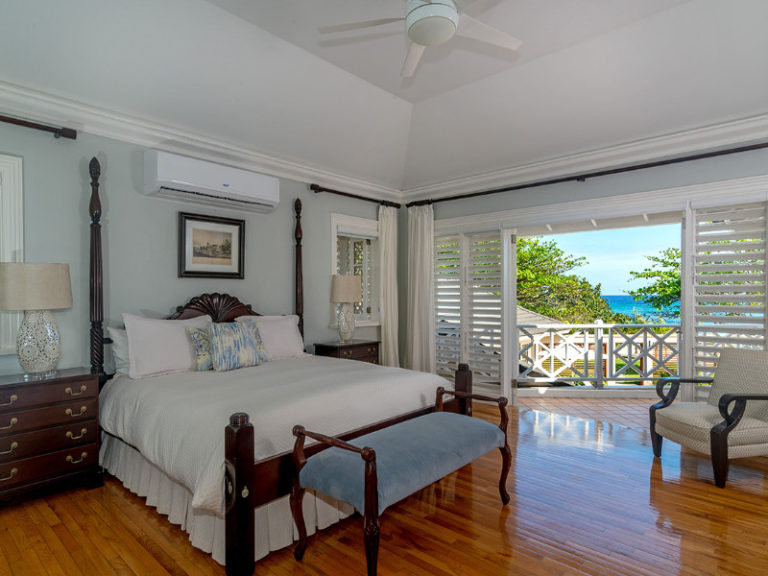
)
(211, 246)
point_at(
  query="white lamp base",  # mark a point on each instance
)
(38, 342)
(346, 322)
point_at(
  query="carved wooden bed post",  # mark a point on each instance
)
(299, 267)
(239, 520)
(96, 278)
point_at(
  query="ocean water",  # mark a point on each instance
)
(625, 304)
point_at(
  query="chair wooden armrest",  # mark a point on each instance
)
(666, 397)
(674, 387)
(739, 402)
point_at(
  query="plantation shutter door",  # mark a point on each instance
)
(448, 295)
(484, 307)
(729, 281)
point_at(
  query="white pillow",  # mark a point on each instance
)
(160, 346)
(280, 335)
(119, 349)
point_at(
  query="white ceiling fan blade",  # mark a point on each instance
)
(412, 59)
(357, 25)
(476, 30)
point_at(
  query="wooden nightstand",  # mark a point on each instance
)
(49, 431)
(363, 350)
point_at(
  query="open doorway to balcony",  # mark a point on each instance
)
(609, 302)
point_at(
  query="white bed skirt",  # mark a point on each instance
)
(275, 528)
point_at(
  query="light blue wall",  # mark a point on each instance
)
(140, 240)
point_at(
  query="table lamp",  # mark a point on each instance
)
(346, 290)
(36, 289)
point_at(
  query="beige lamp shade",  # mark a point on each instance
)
(346, 288)
(34, 286)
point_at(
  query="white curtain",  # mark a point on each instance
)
(420, 337)
(388, 285)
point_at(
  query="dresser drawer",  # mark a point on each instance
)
(47, 466)
(33, 394)
(27, 444)
(64, 413)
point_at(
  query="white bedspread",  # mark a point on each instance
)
(177, 421)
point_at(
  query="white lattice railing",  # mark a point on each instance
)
(598, 353)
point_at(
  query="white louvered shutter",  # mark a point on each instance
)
(468, 304)
(729, 281)
(447, 304)
(484, 294)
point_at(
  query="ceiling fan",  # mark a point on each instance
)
(431, 23)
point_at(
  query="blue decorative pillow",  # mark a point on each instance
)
(235, 346)
(201, 344)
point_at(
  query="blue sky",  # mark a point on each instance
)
(611, 254)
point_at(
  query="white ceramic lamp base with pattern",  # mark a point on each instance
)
(346, 289)
(38, 343)
(37, 289)
(346, 322)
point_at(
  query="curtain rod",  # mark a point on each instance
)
(57, 132)
(317, 188)
(584, 177)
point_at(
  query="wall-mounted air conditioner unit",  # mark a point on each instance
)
(181, 178)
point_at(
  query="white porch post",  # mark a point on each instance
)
(687, 344)
(510, 337)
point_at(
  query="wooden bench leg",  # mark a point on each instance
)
(296, 499)
(506, 464)
(371, 515)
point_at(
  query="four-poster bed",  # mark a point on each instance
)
(248, 483)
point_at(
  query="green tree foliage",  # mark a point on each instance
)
(546, 284)
(663, 288)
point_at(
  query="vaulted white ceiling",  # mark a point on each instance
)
(596, 83)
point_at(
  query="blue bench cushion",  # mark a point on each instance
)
(409, 456)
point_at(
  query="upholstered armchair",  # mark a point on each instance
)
(732, 423)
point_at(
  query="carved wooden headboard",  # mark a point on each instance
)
(220, 307)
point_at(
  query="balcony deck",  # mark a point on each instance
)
(630, 412)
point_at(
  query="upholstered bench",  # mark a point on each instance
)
(379, 469)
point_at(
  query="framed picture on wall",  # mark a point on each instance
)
(211, 247)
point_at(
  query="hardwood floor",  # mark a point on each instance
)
(587, 499)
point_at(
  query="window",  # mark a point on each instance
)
(468, 304)
(356, 251)
(11, 239)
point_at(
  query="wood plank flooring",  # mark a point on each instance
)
(587, 499)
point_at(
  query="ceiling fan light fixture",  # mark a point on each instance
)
(431, 23)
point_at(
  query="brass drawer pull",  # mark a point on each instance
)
(83, 432)
(83, 456)
(13, 447)
(83, 410)
(13, 473)
(12, 399)
(68, 390)
(11, 424)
